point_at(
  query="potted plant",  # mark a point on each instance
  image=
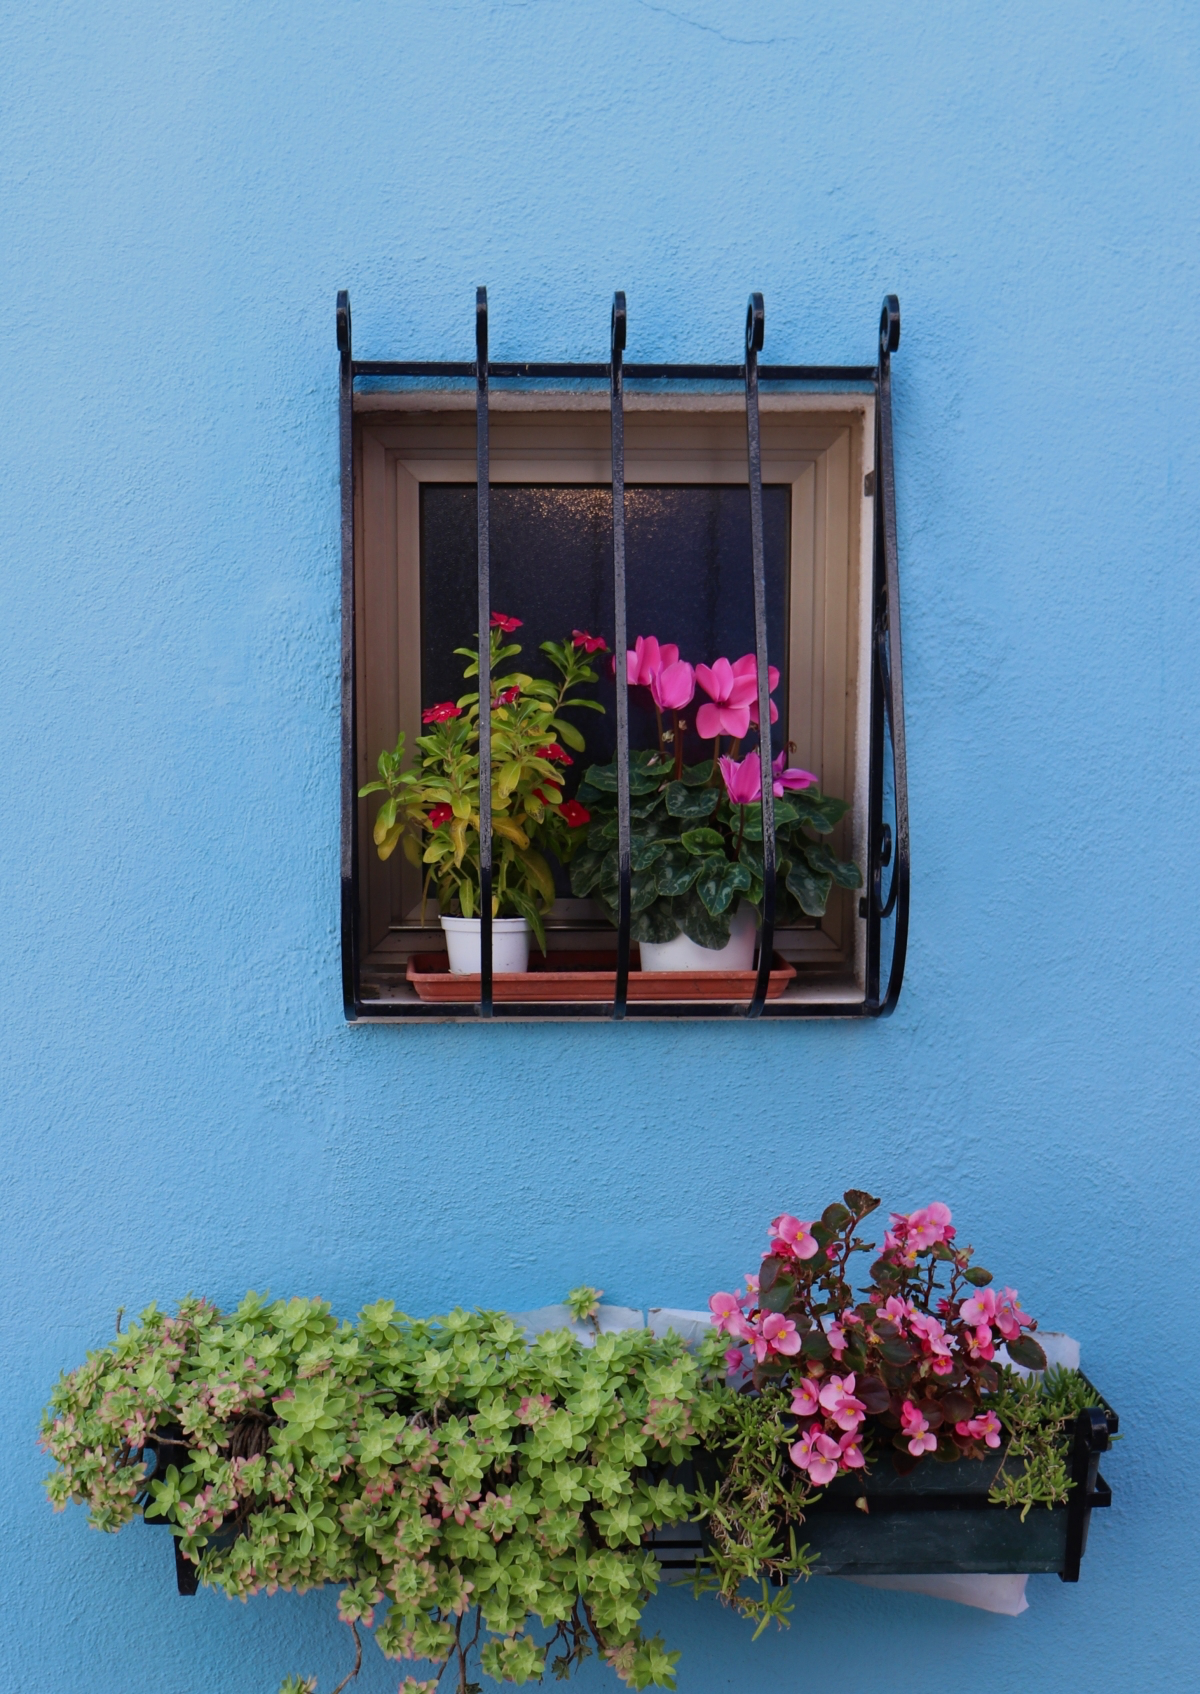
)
(696, 841)
(432, 808)
(502, 1503)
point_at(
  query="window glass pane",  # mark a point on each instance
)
(687, 572)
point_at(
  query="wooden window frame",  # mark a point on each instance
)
(821, 444)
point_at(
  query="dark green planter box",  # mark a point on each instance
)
(937, 1520)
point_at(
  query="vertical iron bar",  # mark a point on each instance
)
(483, 516)
(1090, 1440)
(620, 648)
(754, 339)
(888, 635)
(349, 841)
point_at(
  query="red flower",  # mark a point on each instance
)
(499, 621)
(440, 814)
(506, 696)
(556, 754)
(574, 815)
(439, 713)
(589, 643)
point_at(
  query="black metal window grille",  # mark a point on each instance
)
(887, 841)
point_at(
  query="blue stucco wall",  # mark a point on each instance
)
(184, 188)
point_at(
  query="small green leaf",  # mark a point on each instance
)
(977, 1276)
(816, 1345)
(835, 1216)
(1026, 1351)
(778, 1297)
(684, 802)
(703, 841)
(569, 734)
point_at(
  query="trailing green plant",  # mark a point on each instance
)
(484, 1502)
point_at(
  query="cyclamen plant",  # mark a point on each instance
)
(696, 839)
(432, 809)
(915, 1356)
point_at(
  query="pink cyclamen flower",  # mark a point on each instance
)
(1010, 1320)
(985, 1428)
(793, 777)
(776, 1334)
(649, 656)
(727, 1314)
(790, 1236)
(806, 1398)
(730, 694)
(743, 780)
(748, 667)
(915, 1426)
(672, 687)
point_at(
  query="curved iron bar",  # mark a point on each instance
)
(889, 673)
(620, 649)
(483, 533)
(755, 325)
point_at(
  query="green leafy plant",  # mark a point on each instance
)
(431, 809)
(695, 852)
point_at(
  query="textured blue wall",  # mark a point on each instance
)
(184, 188)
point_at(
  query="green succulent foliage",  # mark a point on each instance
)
(1039, 1414)
(458, 1483)
(695, 857)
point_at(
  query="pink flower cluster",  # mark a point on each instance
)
(916, 1232)
(732, 688)
(987, 1310)
(830, 1419)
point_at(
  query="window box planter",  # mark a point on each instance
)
(586, 975)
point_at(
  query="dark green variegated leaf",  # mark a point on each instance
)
(819, 811)
(585, 872)
(643, 889)
(643, 852)
(677, 871)
(718, 882)
(684, 802)
(1026, 1351)
(646, 807)
(698, 776)
(699, 924)
(703, 841)
(811, 890)
(843, 872)
(977, 1276)
(601, 779)
(657, 923)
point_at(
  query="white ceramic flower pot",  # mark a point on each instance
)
(684, 954)
(510, 945)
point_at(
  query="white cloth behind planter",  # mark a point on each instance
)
(1002, 1594)
(610, 1319)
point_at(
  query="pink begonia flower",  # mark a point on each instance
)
(979, 1309)
(852, 1455)
(929, 1225)
(921, 1438)
(800, 1452)
(793, 777)
(776, 1334)
(806, 1398)
(792, 1237)
(751, 1290)
(729, 713)
(899, 1312)
(727, 1314)
(985, 1428)
(836, 1336)
(648, 657)
(734, 1358)
(932, 1334)
(979, 1343)
(823, 1460)
(1010, 1320)
(837, 1399)
(672, 687)
(743, 781)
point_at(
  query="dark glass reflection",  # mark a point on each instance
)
(687, 570)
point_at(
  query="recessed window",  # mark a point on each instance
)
(689, 582)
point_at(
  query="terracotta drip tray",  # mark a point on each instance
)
(589, 976)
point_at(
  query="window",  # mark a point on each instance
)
(688, 580)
